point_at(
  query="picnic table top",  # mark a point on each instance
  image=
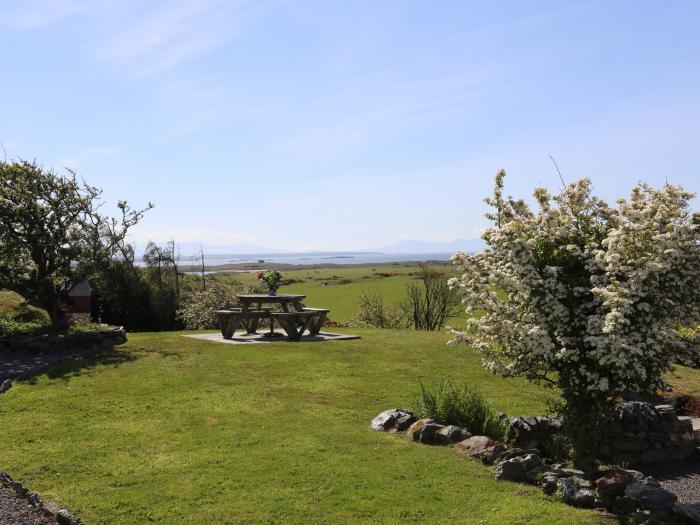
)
(263, 297)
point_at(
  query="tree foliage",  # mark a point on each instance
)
(52, 233)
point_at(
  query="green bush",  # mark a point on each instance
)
(197, 310)
(7, 324)
(462, 406)
(373, 313)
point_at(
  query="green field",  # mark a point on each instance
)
(338, 288)
(169, 429)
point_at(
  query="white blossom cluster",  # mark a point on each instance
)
(590, 298)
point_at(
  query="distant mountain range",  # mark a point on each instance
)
(404, 247)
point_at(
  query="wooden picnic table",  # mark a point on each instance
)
(294, 321)
(255, 302)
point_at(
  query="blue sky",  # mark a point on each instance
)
(347, 125)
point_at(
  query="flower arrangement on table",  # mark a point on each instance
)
(271, 278)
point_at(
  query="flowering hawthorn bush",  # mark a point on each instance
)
(591, 299)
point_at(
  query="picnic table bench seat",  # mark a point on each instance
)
(230, 320)
(294, 323)
(319, 318)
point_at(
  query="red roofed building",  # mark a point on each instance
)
(80, 303)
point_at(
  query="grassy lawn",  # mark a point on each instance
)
(685, 380)
(169, 429)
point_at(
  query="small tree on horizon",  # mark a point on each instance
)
(586, 298)
(430, 301)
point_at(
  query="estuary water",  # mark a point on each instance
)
(312, 258)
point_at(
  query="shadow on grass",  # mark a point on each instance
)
(74, 366)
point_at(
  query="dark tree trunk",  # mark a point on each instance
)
(51, 300)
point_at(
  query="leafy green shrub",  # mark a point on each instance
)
(373, 313)
(140, 299)
(197, 310)
(7, 324)
(462, 406)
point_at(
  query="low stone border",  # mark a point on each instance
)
(47, 343)
(62, 516)
(631, 495)
(635, 433)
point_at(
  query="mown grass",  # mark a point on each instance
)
(169, 429)
(685, 380)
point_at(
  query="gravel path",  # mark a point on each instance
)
(16, 511)
(683, 479)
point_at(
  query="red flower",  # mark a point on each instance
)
(260, 275)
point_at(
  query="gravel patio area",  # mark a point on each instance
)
(241, 338)
(683, 479)
(17, 511)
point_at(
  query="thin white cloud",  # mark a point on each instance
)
(31, 14)
(380, 108)
(142, 37)
(154, 39)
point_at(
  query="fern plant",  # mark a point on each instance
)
(462, 406)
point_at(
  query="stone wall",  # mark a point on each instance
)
(639, 433)
(636, 433)
(97, 339)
